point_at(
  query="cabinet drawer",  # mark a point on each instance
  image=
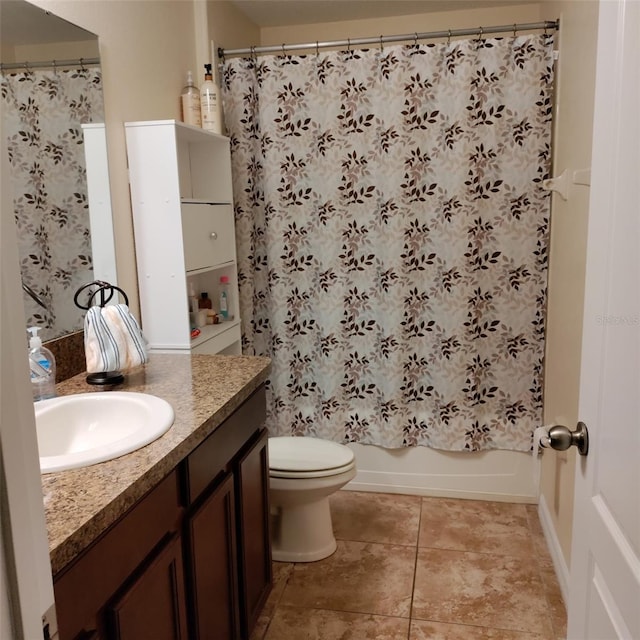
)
(213, 456)
(208, 233)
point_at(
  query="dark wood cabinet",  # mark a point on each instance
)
(213, 567)
(153, 606)
(252, 488)
(192, 559)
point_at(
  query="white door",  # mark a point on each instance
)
(604, 601)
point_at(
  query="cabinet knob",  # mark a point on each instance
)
(214, 235)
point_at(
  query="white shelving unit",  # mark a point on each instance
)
(181, 195)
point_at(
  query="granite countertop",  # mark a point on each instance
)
(204, 390)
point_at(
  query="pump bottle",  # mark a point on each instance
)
(190, 99)
(42, 365)
(210, 103)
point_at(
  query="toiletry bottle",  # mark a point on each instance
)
(205, 301)
(193, 299)
(210, 103)
(42, 366)
(190, 98)
(225, 299)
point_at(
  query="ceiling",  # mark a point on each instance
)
(24, 23)
(276, 13)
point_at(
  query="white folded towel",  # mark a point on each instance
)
(112, 339)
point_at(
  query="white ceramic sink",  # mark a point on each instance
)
(83, 429)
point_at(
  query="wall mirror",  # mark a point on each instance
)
(53, 117)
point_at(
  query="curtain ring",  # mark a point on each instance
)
(283, 53)
(55, 67)
(348, 44)
(449, 37)
(253, 52)
(514, 30)
(481, 33)
(415, 39)
(27, 67)
(82, 64)
(317, 48)
(381, 47)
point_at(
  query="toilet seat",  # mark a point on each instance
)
(306, 457)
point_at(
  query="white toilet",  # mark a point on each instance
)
(304, 472)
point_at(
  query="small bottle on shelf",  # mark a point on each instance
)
(190, 99)
(205, 301)
(194, 304)
(225, 299)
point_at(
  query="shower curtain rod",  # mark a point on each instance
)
(381, 40)
(75, 62)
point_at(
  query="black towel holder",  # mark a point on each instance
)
(106, 292)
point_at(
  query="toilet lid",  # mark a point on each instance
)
(287, 453)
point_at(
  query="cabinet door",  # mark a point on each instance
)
(212, 570)
(252, 476)
(208, 234)
(154, 605)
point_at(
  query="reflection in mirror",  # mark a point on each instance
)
(51, 86)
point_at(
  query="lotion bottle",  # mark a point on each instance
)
(210, 103)
(190, 98)
(42, 365)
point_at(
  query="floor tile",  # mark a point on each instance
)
(359, 577)
(471, 525)
(480, 589)
(292, 623)
(555, 602)
(375, 517)
(537, 534)
(424, 630)
(281, 573)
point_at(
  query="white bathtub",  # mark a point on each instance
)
(506, 476)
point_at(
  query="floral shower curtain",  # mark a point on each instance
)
(392, 238)
(43, 110)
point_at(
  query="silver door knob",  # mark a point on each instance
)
(214, 235)
(561, 438)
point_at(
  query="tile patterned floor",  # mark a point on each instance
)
(412, 568)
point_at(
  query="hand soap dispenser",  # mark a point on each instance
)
(42, 365)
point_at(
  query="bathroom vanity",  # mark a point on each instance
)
(170, 541)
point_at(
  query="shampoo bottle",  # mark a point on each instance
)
(42, 365)
(190, 99)
(210, 103)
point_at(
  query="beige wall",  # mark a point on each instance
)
(572, 151)
(401, 24)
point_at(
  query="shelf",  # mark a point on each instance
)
(212, 330)
(186, 131)
(209, 269)
(198, 201)
(182, 201)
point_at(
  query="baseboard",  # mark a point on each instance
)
(559, 564)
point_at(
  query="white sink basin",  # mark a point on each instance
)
(83, 429)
